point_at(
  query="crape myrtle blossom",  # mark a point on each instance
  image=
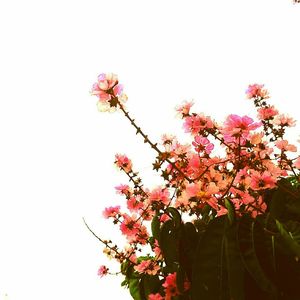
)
(253, 157)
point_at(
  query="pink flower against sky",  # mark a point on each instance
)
(266, 113)
(195, 123)
(202, 144)
(297, 163)
(111, 212)
(130, 227)
(236, 126)
(184, 108)
(284, 120)
(106, 88)
(284, 145)
(123, 162)
(102, 271)
(159, 195)
(256, 90)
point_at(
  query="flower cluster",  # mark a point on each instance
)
(197, 182)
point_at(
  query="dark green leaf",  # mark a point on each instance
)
(169, 243)
(175, 216)
(231, 211)
(209, 277)
(155, 227)
(150, 285)
(134, 288)
(248, 253)
(235, 267)
(288, 239)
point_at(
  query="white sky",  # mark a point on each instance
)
(57, 151)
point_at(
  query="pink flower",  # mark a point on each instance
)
(164, 218)
(170, 286)
(108, 91)
(129, 227)
(260, 181)
(283, 120)
(297, 163)
(111, 212)
(123, 162)
(236, 126)
(266, 113)
(102, 271)
(184, 109)
(203, 144)
(159, 195)
(123, 189)
(134, 204)
(196, 123)
(256, 90)
(147, 267)
(156, 296)
(284, 145)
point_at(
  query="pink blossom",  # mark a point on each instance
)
(147, 267)
(159, 195)
(297, 163)
(283, 120)
(123, 189)
(184, 109)
(106, 89)
(196, 123)
(170, 286)
(157, 250)
(260, 181)
(163, 218)
(256, 90)
(156, 296)
(111, 212)
(129, 227)
(102, 271)
(203, 144)
(266, 113)
(134, 204)
(123, 162)
(236, 126)
(284, 145)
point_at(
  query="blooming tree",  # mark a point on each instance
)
(221, 226)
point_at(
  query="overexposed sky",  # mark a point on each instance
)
(57, 151)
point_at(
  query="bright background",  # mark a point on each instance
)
(57, 151)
